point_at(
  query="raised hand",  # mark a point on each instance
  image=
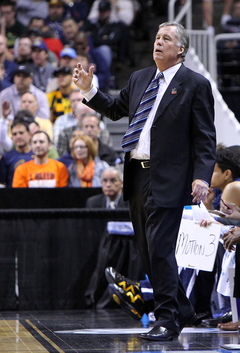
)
(83, 79)
(6, 109)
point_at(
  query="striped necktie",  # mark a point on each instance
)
(130, 139)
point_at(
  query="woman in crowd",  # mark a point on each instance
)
(87, 167)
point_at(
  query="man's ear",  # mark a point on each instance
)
(228, 174)
(181, 49)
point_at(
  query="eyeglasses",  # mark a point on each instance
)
(79, 147)
(111, 181)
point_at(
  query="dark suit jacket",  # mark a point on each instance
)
(99, 201)
(182, 135)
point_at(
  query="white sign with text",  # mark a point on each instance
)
(197, 246)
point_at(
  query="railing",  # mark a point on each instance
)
(201, 40)
(202, 58)
(185, 11)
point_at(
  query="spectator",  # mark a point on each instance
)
(90, 126)
(112, 183)
(102, 63)
(59, 102)
(9, 65)
(24, 51)
(83, 58)
(68, 120)
(121, 11)
(70, 30)
(23, 83)
(65, 134)
(29, 102)
(67, 158)
(41, 171)
(87, 168)
(42, 69)
(105, 32)
(66, 55)
(27, 9)
(34, 127)
(55, 17)
(20, 154)
(10, 27)
(36, 22)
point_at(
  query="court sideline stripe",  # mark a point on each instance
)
(45, 337)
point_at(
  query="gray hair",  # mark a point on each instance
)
(111, 169)
(182, 36)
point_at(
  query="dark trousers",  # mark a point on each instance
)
(156, 229)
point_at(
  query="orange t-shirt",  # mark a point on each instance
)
(51, 174)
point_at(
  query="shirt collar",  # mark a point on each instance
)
(170, 73)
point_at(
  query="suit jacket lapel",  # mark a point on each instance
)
(172, 92)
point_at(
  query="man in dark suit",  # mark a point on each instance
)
(112, 191)
(173, 159)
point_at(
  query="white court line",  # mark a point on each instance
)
(130, 331)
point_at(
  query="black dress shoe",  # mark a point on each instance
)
(227, 317)
(159, 333)
(206, 315)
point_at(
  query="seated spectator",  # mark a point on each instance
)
(84, 59)
(20, 154)
(8, 65)
(55, 17)
(67, 158)
(36, 22)
(65, 57)
(100, 57)
(87, 167)
(65, 135)
(112, 184)
(227, 170)
(27, 9)
(121, 11)
(34, 127)
(23, 83)
(29, 102)
(105, 32)
(3, 82)
(10, 27)
(59, 102)
(70, 30)
(23, 49)
(91, 127)
(42, 69)
(68, 120)
(41, 171)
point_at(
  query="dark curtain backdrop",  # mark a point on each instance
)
(56, 249)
